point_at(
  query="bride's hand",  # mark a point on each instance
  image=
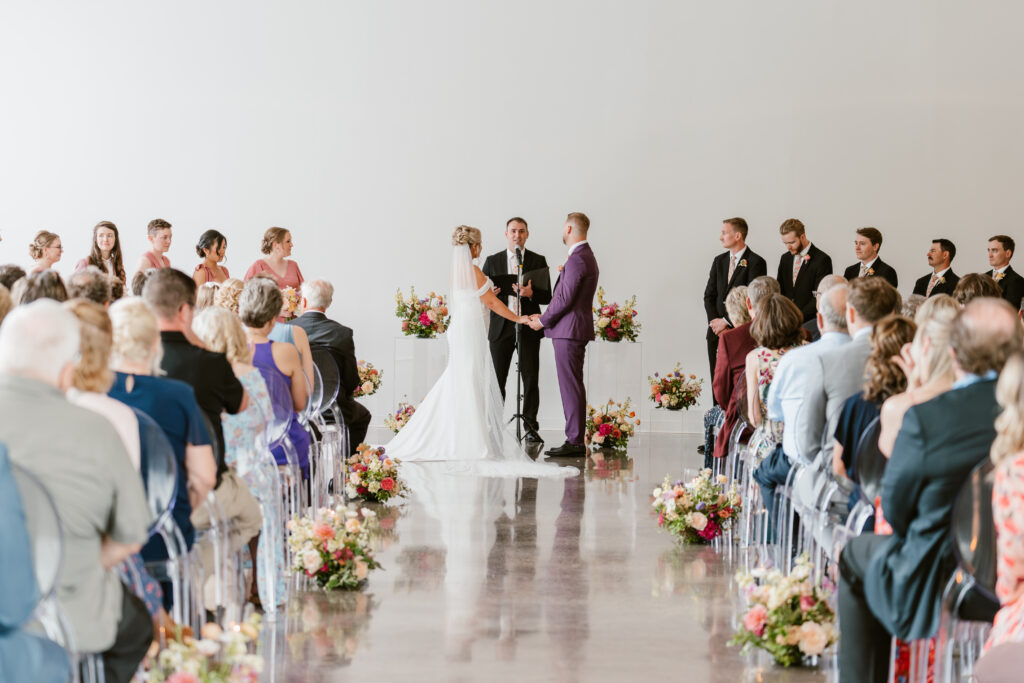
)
(523, 320)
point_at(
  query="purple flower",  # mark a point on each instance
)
(701, 505)
(655, 374)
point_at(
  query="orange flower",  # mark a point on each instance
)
(632, 414)
(597, 419)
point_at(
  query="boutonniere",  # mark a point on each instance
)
(742, 264)
(806, 258)
(941, 280)
(998, 276)
(871, 271)
(560, 267)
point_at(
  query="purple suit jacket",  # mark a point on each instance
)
(570, 315)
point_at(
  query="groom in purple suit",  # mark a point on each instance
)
(569, 324)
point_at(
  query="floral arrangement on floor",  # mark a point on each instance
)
(424, 318)
(610, 426)
(675, 390)
(699, 510)
(333, 547)
(398, 419)
(789, 616)
(373, 476)
(290, 304)
(218, 656)
(616, 323)
(369, 379)
(332, 626)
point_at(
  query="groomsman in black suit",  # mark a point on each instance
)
(737, 266)
(801, 268)
(502, 333)
(942, 279)
(866, 246)
(1000, 251)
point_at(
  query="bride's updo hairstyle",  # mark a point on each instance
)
(465, 235)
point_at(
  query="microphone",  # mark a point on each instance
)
(519, 257)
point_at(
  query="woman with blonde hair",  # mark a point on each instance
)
(6, 303)
(45, 250)
(277, 247)
(228, 293)
(736, 306)
(927, 364)
(206, 295)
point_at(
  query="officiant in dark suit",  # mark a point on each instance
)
(1011, 284)
(502, 333)
(866, 246)
(737, 266)
(801, 268)
(942, 279)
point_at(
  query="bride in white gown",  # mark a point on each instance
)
(460, 420)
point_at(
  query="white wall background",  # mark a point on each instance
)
(371, 129)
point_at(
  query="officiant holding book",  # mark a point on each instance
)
(503, 268)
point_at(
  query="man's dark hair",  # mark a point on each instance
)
(873, 234)
(517, 219)
(738, 225)
(975, 285)
(946, 246)
(43, 285)
(873, 298)
(1006, 241)
(167, 290)
(139, 280)
(10, 273)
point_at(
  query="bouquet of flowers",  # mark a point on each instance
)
(610, 425)
(333, 547)
(696, 511)
(219, 656)
(424, 318)
(615, 323)
(398, 419)
(675, 391)
(789, 616)
(369, 379)
(373, 476)
(290, 306)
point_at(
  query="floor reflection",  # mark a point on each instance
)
(551, 580)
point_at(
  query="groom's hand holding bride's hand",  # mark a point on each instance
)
(534, 322)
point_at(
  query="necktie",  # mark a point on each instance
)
(797, 262)
(732, 266)
(863, 270)
(931, 285)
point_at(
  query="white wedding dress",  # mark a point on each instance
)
(460, 421)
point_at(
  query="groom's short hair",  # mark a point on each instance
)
(516, 219)
(579, 221)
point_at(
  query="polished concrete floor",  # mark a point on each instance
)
(527, 580)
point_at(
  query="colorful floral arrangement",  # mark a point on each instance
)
(675, 390)
(610, 426)
(369, 379)
(789, 616)
(398, 419)
(696, 511)
(333, 547)
(615, 323)
(218, 656)
(290, 304)
(373, 476)
(424, 318)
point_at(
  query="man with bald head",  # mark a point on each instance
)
(891, 585)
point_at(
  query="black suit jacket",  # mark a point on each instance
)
(881, 268)
(940, 442)
(801, 292)
(719, 284)
(947, 285)
(497, 264)
(1012, 286)
(336, 338)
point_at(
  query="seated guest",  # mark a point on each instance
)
(1011, 284)
(973, 285)
(42, 285)
(9, 274)
(277, 245)
(927, 363)
(883, 377)
(90, 283)
(776, 329)
(827, 283)
(23, 656)
(211, 248)
(139, 280)
(786, 393)
(733, 347)
(258, 307)
(942, 279)
(736, 309)
(206, 295)
(159, 234)
(317, 296)
(891, 585)
(116, 289)
(172, 404)
(45, 250)
(1008, 504)
(79, 458)
(6, 303)
(866, 245)
(912, 303)
(106, 251)
(227, 295)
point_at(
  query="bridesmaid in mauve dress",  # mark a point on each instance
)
(159, 233)
(277, 245)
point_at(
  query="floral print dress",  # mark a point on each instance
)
(1008, 515)
(769, 435)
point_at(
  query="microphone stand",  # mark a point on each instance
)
(518, 416)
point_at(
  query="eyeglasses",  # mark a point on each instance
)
(56, 246)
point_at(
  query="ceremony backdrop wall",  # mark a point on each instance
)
(372, 129)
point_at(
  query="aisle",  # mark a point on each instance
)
(520, 580)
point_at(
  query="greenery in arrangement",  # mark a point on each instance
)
(610, 426)
(699, 510)
(614, 322)
(332, 547)
(424, 317)
(676, 390)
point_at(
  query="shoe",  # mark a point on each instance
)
(566, 450)
(533, 437)
(700, 449)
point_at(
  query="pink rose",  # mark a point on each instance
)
(182, 677)
(756, 619)
(605, 429)
(807, 602)
(424, 319)
(323, 532)
(405, 326)
(616, 323)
